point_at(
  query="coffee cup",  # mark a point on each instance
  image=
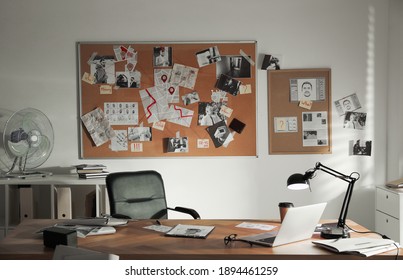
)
(283, 207)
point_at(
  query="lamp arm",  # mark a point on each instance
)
(346, 202)
(333, 172)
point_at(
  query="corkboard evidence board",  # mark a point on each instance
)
(283, 90)
(226, 61)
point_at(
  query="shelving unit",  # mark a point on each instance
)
(44, 195)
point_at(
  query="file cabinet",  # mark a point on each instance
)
(389, 212)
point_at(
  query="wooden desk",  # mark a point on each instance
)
(135, 242)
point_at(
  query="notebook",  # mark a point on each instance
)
(299, 224)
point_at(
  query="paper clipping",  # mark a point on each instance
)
(315, 129)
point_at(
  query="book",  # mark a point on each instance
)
(194, 231)
(395, 184)
(84, 171)
(90, 166)
(362, 246)
(102, 174)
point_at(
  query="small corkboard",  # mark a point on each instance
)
(299, 102)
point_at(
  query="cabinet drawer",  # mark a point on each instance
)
(387, 225)
(387, 202)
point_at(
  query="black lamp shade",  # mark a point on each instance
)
(297, 182)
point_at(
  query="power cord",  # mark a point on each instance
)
(381, 235)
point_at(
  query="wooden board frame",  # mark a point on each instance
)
(244, 106)
(282, 106)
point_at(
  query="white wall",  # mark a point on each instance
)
(38, 69)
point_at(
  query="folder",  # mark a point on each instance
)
(63, 200)
(26, 203)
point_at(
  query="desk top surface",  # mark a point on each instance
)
(133, 241)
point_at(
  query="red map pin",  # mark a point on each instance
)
(164, 78)
(171, 90)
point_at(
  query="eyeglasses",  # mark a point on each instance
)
(232, 237)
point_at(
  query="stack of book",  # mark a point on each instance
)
(87, 171)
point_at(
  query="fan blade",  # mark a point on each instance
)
(18, 149)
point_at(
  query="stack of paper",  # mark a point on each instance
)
(362, 246)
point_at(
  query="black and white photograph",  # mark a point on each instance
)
(219, 133)
(135, 79)
(271, 62)
(360, 147)
(355, 120)
(178, 145)
(228, 84)
(208, 56)
(122, 79)
(209, 113)
(103, 69)
(233, 66)
(190, 98)
(162, 56)
(142, 134)
(347, 104)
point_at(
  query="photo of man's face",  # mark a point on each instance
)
(347, 105)
(307, 89)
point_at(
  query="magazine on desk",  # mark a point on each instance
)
(362, 246)
(194, 231)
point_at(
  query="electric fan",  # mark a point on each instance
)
(26, 142)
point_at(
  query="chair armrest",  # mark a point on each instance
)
(120, 216)
(186, 210)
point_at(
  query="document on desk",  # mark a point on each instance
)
(358, 246)
(194, 231)
(96, 221)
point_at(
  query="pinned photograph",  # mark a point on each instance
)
(313, 89)
(347, 104)
(219, 133)
(141, 134)
(228, 84)
(271, 62)
(122, 79)
(355, 120)
(103, 69)
(208, 56)
(190, 98)
(178, 145)
(233, 66)
(360, 147)
(209, 113)
(162, 56)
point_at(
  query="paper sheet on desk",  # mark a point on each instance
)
(360, 246)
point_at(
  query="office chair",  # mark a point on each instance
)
(140, 195)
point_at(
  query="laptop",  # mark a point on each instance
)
(298, 224)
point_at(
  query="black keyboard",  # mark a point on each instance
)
(267, 240)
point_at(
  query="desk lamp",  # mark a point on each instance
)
(298, 182)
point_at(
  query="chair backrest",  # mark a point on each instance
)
(137, 194)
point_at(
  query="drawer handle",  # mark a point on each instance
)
(387, 197)
(387, 221)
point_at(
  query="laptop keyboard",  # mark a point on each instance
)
(267, 240)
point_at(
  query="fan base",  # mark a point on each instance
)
(27, 175)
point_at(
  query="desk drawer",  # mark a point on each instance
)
(387, 202)
(387, 225)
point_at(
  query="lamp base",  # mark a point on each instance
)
(332, 231)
